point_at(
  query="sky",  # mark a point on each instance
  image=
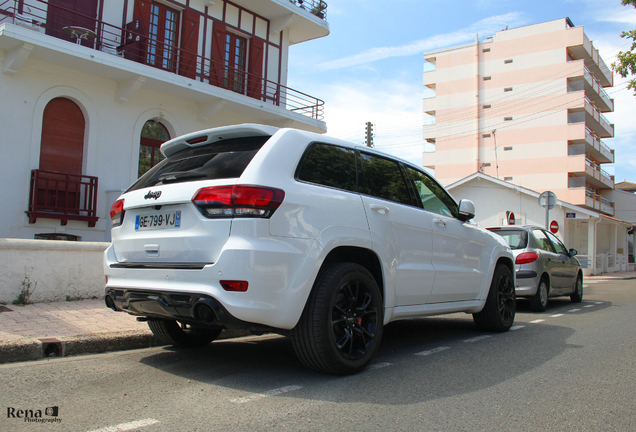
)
(369, 68)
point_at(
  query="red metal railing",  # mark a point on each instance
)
(57, 195)
(133, 45)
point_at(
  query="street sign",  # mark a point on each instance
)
(554, 227)
(548, 199)
(511, 218)
(570, 215)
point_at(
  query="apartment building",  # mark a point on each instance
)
(90, 89)
(525, 106)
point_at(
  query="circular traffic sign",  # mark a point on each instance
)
(554, 227)
(548, 199)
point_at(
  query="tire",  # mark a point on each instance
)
(539, 301)
(498, 313)
(577, 295)
(341, 326)
(177, 334)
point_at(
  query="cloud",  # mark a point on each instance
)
(488, 26)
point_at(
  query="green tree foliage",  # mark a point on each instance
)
(625, 64)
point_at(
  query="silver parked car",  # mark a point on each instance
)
(544, 266)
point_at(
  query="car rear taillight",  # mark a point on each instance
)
(238, 201)
(526, 258)
(117, 213)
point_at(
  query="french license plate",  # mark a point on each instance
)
(158, 221)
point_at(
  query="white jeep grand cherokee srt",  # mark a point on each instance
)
(280, 230)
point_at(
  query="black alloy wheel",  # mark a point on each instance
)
(499, 311)
(354, 320)
(340, 329)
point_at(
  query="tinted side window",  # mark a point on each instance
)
(328, 165)
(219, 160)
(433, 197)
(542, 240)
(383, 178)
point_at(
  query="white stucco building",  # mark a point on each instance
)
(89, 90)
(602, 241)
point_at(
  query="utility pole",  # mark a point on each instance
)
(496, 158)
(369, 135)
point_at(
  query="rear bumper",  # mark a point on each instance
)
(277, 270)
(189, 308)
(527, 282)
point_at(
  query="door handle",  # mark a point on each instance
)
(440, 222)
(378, 208)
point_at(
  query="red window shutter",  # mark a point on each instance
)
(189, 44)
(255, 68)
(136, 33)
(62, 142)
(217, 68)
(141, 12)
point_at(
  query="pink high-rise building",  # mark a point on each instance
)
(524, 106)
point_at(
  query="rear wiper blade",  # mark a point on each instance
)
(177, 177)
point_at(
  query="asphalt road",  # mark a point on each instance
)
(571, 368)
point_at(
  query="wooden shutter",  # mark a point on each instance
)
(141, 11)
(189, 44)
(62, 142)
(255, 69)
(217, 68)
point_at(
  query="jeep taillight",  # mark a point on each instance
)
(526, 258)
(117, 213)
(238, 201)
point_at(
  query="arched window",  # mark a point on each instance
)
(153, 135)
(62, 142)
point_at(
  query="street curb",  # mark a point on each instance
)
(35, 349)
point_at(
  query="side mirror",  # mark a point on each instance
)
(573, 252)
(466, 210)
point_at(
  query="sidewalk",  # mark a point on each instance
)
(87, 326)
(71, 328)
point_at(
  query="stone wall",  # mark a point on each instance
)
(56, 270)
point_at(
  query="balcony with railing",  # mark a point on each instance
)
(583, 49)
(581, 166)
(132, 58)
(592, 117)
(56, 195)
(583, 194)
(589, 144)
(582, 79)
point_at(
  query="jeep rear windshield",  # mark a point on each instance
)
(219, 160)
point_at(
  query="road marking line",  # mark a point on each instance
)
(537, 321)
(574, 310)
(269, 393)
(128, 426)
(589, 306)
(517, 327)
(599, 302)
(556, 315)
(433, 351)
(377, 366)
(477, 338)
(595, 281)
